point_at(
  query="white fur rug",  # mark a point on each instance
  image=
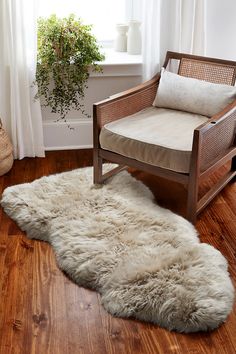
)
(145, 261)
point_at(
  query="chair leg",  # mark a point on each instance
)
(233, 168)
(233, 164)
(97, 167)
(192, 200)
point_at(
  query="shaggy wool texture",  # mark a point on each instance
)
(145, 261)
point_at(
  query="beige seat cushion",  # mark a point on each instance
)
(158, 136)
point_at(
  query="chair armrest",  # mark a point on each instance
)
(219, 117)
(127, 102)
(216, 136)
(123, 104)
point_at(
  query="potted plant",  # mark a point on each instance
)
(66, 51)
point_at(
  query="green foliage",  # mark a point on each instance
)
(66, 51)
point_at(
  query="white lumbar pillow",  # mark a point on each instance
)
(192, 95)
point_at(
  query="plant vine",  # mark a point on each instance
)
(66, 51)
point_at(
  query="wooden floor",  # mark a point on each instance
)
(43, 312)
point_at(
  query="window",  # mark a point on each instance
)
(102, 14)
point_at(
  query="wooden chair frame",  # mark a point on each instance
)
(213, 142)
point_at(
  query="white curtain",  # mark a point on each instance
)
(20, 113)
(176, 25)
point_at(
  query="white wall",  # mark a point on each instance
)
(221, 29)
(115, 78)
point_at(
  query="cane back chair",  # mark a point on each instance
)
(214, 141)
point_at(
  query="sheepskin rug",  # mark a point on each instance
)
(145, 261)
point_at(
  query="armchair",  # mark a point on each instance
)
(213, 140)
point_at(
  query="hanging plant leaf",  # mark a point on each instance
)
(66, 51)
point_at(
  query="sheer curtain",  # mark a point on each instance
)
(20, 113)
(177, 25)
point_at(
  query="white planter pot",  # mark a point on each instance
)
(121, 39)
(134, 41)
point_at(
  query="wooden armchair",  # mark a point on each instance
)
(213, 141)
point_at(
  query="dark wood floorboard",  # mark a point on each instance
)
(43, 312)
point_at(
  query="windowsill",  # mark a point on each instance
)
(119, 64)
(119, 58)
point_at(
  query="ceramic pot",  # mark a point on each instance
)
(134, 41)
(121, 39)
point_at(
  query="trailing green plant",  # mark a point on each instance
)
(66, 52)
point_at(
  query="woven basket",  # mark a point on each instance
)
(6, 156)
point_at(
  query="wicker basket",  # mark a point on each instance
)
(6, 155)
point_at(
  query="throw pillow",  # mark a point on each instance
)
(192, 95)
